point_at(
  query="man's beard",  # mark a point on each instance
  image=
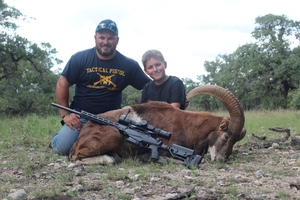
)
(109, 53)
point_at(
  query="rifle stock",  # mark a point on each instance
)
(144, 135)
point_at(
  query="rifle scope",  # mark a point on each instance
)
(144, 125)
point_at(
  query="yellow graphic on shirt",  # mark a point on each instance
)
(105, 80)
(105, 70)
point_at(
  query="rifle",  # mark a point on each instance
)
(144, 135)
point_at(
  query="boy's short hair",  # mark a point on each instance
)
(152, 54)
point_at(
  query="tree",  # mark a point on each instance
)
(131, 96)
(263, 73)
(272, 35)
(27, 83)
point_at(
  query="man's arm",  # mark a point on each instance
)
(62, 93)
(62, 97)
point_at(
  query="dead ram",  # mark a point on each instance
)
(200, 131)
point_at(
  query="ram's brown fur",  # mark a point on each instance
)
(196, 130)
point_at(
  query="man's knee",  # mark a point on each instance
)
(63, 141)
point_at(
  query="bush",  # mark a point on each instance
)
(295, 99)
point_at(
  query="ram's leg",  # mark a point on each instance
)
(89, 147)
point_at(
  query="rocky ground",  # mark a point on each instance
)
(254, 171)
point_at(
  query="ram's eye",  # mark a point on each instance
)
(226, 137)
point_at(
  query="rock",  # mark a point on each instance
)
(129, 191)
(170, 195)
(76, 188)
(119, 183)
(156, 179)
(296, 168)
(259, 173)
(95, 176)
(64, 163)
(75, 164)
(36, 175)
(258, 183)
(135, 177)
(17, 194)
(185, 172)
(56, 166)
(294, 156)
(275, 145)
(188, 179)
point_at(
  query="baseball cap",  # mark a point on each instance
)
(107, 24)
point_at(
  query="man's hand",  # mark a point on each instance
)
(72, 120)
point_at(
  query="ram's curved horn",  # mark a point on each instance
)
(236, 112)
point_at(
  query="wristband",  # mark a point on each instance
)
(62, 122)
(64, 115)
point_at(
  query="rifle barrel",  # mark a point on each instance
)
(65, 108)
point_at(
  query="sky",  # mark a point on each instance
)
(188, 33)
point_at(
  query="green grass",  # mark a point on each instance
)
(25, 159)
(32, 131)
(258, 122)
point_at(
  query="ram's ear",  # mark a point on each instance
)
(224, 124)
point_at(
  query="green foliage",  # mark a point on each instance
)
(295, 99)
(205, 103)
(8, 15)
(262, 74)
(201, 102)
(189, 84)
(131, 96)
(27, 84)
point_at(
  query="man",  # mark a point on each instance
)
(100, 74)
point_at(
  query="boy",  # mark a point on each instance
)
(162, 87)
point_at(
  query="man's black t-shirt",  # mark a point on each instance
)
(99, 83)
